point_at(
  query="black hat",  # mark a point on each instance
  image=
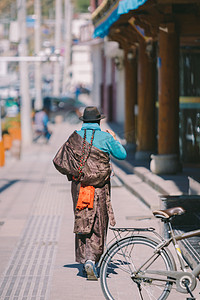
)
(91, 114)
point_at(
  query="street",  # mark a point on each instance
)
(36, 227)
(138, 62)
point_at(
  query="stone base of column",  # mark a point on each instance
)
(165, 164)
(143, 155)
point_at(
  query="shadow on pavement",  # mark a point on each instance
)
(76, 266)
(7, 185)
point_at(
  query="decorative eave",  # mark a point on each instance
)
(151, 16)
(100, 10)
(177, 1)
(109, 12)
(104, 16)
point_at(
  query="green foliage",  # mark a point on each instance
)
(48, 8)
(81, 5)
(9, 121)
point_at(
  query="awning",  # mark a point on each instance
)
(109, 15)
(103, 24)
(126, 5)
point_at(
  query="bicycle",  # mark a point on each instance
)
(140, 263)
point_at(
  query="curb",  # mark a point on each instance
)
(138, 187)
(145, 185)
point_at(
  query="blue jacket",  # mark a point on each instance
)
(103, 140)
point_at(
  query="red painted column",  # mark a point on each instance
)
(167, 160)
(146, 138)
(168, 124)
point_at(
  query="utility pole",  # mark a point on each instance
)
(2, 151)
(58, 23)
(24, 82)
(68, 38)
(38, 79)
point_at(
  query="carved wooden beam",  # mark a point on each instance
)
(158, 14)
(124, 34)
(186, 18)
(149, 21)
(118, 38)
(127, 32)
(177, 1)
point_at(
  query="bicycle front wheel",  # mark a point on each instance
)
(124, 272)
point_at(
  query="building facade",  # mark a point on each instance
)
(160, 40)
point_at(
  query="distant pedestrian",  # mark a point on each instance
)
(84, 158)
(41, 121)
(78, 91)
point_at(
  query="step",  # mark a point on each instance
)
(149, 188)
(139, 188)
(194, 185)
(187, 222)
(163, 186)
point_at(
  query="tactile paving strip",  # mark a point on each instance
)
(29, 269)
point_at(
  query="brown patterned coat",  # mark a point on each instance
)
(90, 225)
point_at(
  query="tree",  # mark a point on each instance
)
(81, 5)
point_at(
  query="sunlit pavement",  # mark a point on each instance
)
(36, 226)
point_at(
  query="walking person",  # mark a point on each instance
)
(85, 159)
(41, 121)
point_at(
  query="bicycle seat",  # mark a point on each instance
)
(166, 214)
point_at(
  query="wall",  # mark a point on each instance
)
(97, 72)
(81, 65)
(81, 68)
(120, 111)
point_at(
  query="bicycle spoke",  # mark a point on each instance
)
(149, 292)
(127, 257)
(117, 265)
(122, 276)
(125, 260)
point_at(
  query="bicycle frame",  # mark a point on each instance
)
(163, 244)
(156, 268)
(184, 236)
(118, 237)
(135, 232)
(173, 276)
(174, 239)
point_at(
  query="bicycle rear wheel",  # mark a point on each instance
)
(123, 259)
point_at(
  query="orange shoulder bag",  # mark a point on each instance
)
(86, 193)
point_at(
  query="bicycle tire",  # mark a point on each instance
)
(120, 262)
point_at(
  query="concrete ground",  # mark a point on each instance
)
(36, 224)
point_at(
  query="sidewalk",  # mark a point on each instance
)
(165, 191)
(36, 226)
(150, 186)
(32, 201)
(36, 223)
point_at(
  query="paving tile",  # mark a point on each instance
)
(36, 236)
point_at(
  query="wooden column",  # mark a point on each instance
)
(146, 103)
(168, 125)
(167, 160)
(130, 96)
